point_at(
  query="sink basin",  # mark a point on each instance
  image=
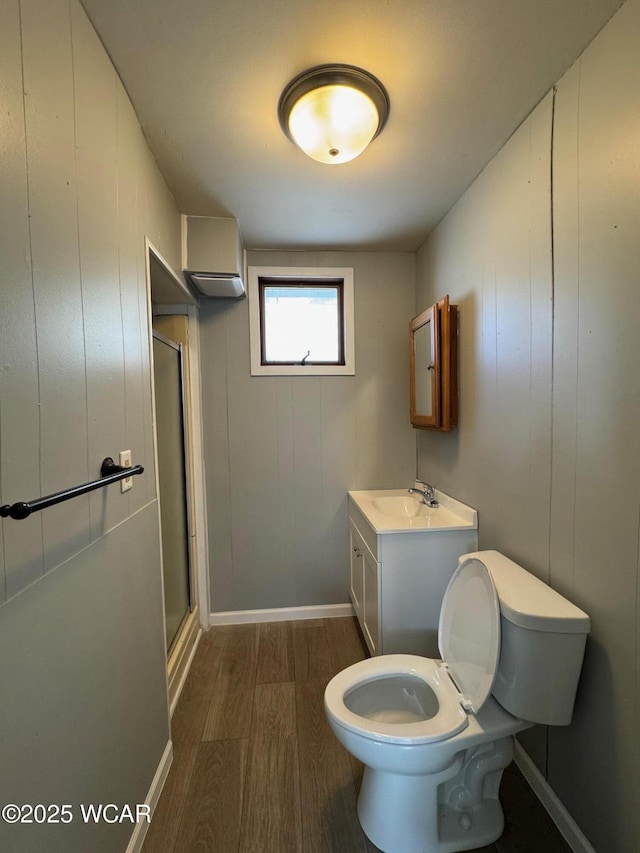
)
(400, 511)
(402, 506)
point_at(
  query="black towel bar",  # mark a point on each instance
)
(109, 471)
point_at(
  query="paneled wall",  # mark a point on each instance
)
(595, 508)
(492, 254)
(282, 452)
(548, 447)
(81, 640)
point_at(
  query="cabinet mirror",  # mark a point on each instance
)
(433, 362)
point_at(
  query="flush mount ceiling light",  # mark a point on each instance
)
(332, 112)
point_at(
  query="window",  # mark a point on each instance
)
(301, 321)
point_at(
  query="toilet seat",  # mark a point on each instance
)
(449, 719)
(469, 632)
(469, 642)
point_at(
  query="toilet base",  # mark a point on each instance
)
(470, 830)
(454, 810)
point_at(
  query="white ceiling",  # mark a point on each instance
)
(205, 77)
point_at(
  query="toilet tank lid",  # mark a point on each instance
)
(527, 601)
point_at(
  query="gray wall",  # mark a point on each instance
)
(83, 713)
(492, 255)
(548, 447)
(282, 452)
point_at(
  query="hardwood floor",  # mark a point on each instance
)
(256, 768)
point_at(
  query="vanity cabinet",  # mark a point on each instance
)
(398, 581)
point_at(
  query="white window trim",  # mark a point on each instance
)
(257, 369)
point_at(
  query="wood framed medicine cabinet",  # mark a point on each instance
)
(433, 366)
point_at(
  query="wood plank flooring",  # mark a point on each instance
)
(256, 768)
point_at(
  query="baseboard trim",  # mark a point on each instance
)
(280, 614)
(567, 826)
(140, 832)
(182, 658)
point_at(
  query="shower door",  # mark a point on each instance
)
(174, 510)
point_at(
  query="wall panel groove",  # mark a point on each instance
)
(22, 546)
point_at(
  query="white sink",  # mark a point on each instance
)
(403, 506)
(399, 511)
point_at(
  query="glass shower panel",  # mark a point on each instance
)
(172, 483)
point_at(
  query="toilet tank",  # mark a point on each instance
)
(541, 647)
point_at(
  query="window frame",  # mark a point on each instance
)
(304, 276)
(336, 284)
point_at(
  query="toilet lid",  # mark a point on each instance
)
(469, 632)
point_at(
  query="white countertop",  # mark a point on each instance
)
(399, 511)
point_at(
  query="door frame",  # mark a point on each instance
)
(185, 305)
(188, 485)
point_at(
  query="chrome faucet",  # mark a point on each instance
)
(428, 495)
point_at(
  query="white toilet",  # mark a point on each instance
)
(435, 736)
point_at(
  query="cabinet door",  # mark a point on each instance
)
(433, 367)
(371, 621)
(357, 549)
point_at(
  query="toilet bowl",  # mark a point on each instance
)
(432, 737)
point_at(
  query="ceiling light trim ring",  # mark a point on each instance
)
(333, 74)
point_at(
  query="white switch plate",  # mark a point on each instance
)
(125, 462)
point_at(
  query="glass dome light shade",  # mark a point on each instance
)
(332, 112)
(333, 124)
